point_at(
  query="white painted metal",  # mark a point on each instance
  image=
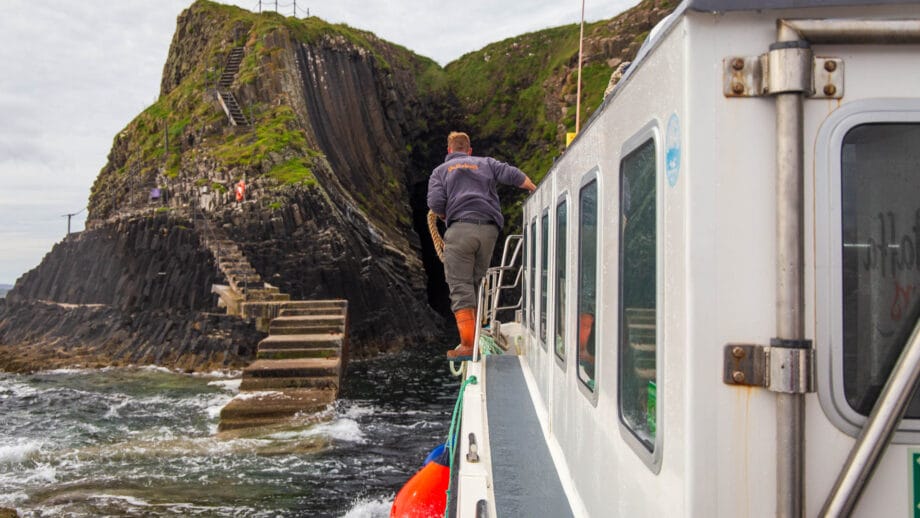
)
(475, 479)
(716, 280)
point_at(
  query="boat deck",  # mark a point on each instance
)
(524, 477)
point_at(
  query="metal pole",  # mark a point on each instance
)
(790, 68)
(581, 40)
(793, 78)
(790, 408)
(876, 434)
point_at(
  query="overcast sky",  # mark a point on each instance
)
(74, 73)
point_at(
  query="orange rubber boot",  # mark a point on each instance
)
(466, 325)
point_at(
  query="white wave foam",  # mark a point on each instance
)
(130, 500)
(365, 508)
(12, 499)
(19, 452)
(215, 405)
(114, 408)
(256, 394)
(68, 371)
(340, 430)
(218, 374)
(357, 410)
(231, 384)
(157, 368)
(15, 389)
(343, 430)
(43, 474)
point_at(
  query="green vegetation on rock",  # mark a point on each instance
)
(516, 98)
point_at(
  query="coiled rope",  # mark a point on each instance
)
(435, 235)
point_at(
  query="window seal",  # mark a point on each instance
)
(651, 459)
(593, 175)
(561, 362)
(827, 232)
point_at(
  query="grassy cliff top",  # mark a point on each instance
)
(515, 97)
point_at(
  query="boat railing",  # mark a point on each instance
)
(492, 284)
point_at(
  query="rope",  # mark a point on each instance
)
(455, 371)
(452, 435)
(488, 346)
(435, 235)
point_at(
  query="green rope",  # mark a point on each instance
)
(452, 435)
(488, 346)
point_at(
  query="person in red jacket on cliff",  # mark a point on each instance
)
(462, 192)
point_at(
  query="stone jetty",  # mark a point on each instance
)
(299, 365)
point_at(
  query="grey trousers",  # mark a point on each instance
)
(467, 254)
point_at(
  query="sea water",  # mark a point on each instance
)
(144, 442)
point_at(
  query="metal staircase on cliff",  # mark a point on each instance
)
(227, 100)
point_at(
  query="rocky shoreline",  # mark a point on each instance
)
(38, 335)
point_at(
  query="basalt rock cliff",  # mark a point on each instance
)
(334, 134)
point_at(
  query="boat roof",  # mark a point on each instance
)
(746, 5)
(664, 27)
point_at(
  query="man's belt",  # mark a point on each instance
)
(474, 221)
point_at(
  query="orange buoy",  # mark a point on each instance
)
(425, 494)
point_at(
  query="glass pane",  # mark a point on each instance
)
(880, 191)
(561, 217)
(587, 282)
(533, 270)
(638, 293)
(544, 256)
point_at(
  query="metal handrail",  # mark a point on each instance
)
(878, 430)
(506, 264)
(491, 286)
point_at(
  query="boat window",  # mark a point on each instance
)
(587, 282)
(638, 291)
(559, 310)
(532, 262)
(880, 223)
(544, 256)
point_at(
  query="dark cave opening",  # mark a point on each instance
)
(438, 295)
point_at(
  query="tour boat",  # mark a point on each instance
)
(720, 283)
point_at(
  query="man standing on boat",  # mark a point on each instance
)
(462, 192)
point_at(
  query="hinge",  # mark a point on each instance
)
(749, 76)
(780, 368)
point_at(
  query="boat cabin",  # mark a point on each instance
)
(720, 275)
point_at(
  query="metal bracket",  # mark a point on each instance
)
(472, 455)
(748, 76)
(790, 370)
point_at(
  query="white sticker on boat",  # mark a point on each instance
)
(672, 150)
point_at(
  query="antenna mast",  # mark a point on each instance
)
(581, 46)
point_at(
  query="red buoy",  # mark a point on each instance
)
(424, 495)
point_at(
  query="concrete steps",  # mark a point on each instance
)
(301, 341)
(293, 368)
(318, 382)
(291, 353)
(301, 362)
(268, 408)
